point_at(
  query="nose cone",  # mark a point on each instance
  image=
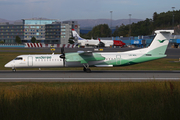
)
(7, 65)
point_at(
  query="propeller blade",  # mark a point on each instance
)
(64, 62)
(62, 50)
(63, 55)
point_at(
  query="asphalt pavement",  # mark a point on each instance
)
(94, 76)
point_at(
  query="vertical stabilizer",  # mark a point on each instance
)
(160, 42)
(76, 35)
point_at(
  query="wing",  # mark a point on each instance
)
(83, 57)
(86, 53)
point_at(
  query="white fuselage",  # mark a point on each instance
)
(93, 42)
(88, 42)
(36, 61)
(54, 60)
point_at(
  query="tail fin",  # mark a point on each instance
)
(76, 35)
(160, 42)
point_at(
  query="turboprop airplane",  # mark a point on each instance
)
(107, 43)
(88, 59)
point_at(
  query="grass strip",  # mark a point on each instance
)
(90, 101)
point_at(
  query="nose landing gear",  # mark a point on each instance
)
(13, 69)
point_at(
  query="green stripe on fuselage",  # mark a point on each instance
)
(158, 51)
(151, 55)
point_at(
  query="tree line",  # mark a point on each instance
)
(101, 30)
(162, 20)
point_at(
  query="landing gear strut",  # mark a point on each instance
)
(86, 68)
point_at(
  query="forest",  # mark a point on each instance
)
(164, 20)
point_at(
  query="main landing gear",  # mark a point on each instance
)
(86, 68)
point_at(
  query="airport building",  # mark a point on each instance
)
(8, 32)
(53, 33)
(60, 32)
(44, 30)
(35, 28)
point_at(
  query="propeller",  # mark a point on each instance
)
(63, 55)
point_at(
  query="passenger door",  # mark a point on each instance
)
(30, 61)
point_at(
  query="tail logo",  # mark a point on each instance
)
(161, 41)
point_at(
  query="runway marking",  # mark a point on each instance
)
(92, 79)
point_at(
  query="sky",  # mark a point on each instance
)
(84, 9)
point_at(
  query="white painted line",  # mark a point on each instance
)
(89, 78)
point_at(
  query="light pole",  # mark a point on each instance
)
(173, 17)
(111, 22)
(129, 25)
(111, 19)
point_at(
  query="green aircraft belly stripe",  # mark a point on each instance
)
(146, 58)
(151, 55)
(132, 61)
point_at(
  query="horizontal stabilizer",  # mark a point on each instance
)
(165, 31)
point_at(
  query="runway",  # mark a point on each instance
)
(95, 76)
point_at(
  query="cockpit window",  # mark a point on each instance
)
(18, 58)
